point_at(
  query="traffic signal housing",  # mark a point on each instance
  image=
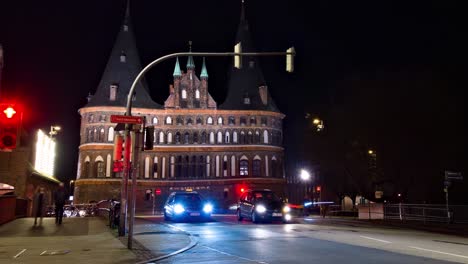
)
(10, 123)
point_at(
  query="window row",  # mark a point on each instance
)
(187, 167)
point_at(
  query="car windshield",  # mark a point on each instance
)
(269, 196)
(188, 199)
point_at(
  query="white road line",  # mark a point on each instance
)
(380, 240)
(43, 252)
(225, 253)
(175, 227)
(440, 252)
(19, 254)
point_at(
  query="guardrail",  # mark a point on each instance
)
(426, 213)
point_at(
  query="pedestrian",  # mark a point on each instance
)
(324, 209)
(39, 205)
(59, 200)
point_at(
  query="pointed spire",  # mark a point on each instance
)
(190, 63)
(242, 18)
(127, 17)
(204, 72)
(177, 72)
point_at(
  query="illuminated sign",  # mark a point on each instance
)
(45, 154)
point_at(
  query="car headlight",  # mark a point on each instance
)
(286, 209)
(208, 208)
(82, 213)
(260, 209)
(287, 217)
(178, 209)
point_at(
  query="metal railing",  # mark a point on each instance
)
(426, 213)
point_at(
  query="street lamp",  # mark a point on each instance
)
(305, 175)
(71, 190)
(54, 130)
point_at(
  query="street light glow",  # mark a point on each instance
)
(371, 151)
(305, 175)
(316, 121)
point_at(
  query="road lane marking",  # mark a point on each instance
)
(43, 252)
(225, 253)
(19, 254)
(441, 252)
(375, 239)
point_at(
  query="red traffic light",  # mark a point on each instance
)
(242, 190)
(318, 188)
(10, 119)
(158, 191)
(9, 112)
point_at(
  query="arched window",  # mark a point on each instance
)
(161, 137)
(110, 134)
(200, 171)
(184, 94)
(197, 94)
(212, 138)
(250, 138)
(155, 120)
(177, 137)
(253, 121)
(189, 121)
(225, 166)
(199, 121)
(179, 120)
(274, 167)
(195, 138)
(256, 169)
(91, 118)
(267, 169)
(233, 165)
(99, 164)
(172, 167)
(242, 137)
(108, 165)
(220, 137)
(155, 167)
(209, 121)
(265, 136)
(244, 166)
(208, 166)
(169, 138)
(257, 137)
(227, 137)
(147, 168)
(86, 171)
(264, 121)
(243, 120)
(163, 167)
(232, 120)
(217, 166)
(234, 137)
(203, 137)
(168, 120)
(186, 138)
(220, 120)
(101, 135)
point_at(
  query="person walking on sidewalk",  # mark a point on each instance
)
(39, 205)
(59, 200)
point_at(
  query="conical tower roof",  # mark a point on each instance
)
(245, 82)
(122, 68)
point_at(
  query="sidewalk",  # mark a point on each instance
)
(84, 240)
(442, 228)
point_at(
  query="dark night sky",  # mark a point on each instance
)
(396, 68)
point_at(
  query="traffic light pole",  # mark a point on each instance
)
(289, 67)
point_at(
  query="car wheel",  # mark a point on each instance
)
(239, 215)
(254, 218)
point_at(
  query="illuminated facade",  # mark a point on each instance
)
(198, 145)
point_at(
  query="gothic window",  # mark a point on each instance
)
(199, 121)
(217, 166)
(212, 138)
(110, 134)
(233, 165)
(225, 166)
(244, 167)
(102, 118)
(161, 137)
(203, 137)
(179, 120)
(155, 167)
(186, 138)
(189, 121)
(197, 94)
(177, 138)
(193, 167)
(220, 120)
(234, 137)
(253, 121)
(209, 121)
(86, 171)
(208, 166)
(99, 163)
(243, 121)
(169, 138)
(101, 135)
(232, 120)
(264, 121)
(168, 120)
(201, 162)
(227, 137)
(155, 120)
(172, 167)
(274, 167)
(257, 137)
(91, 118)
(256, 171)
(242, 137)
(265, 136)
(250, 138)
(184, 94)
(195, 138)
(89, 135)
(108, 165)
(147, 168)
(220, 137)
(94, 136)
(163, 167)
(267, 169)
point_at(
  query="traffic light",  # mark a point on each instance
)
(290, 59)
(157, 191)
(10, 123)
(118, 145)
(149, 137)
(318, 188)
(238, 58)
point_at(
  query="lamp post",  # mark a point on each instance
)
(290, 53)
(54, 131)
(71, 189)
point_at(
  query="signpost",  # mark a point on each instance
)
(126, 119)
(450, 175)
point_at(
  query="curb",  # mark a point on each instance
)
(193, 243)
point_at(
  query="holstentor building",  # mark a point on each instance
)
(214, 149)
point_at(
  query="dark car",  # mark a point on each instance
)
(262, 205)
(187, 206)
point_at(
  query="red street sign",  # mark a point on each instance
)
(126, 119)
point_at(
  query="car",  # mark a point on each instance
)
(184, 205)
(262, 205)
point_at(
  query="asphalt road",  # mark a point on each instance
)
(225, 240)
